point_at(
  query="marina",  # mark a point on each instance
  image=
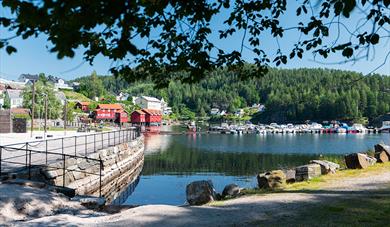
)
(274, 128)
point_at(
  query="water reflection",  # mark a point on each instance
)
(173, 161)
(179, 160)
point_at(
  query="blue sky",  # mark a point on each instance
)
(33, 56)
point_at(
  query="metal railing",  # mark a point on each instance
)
(25, 156)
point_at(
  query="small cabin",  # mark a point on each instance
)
(138, 117)
(146, 117)
(83, 106)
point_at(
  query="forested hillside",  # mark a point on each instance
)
(289, 95)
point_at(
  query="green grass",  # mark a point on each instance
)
(72, 95)
(318, 182)
(364, 210)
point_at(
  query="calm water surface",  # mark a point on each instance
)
(173, 161)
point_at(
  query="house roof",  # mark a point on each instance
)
(84, 103)
(14, 94)
(29, 77)
(109, 106)
(140, 112)
(20, 111)
(150, 99)
(152, 112)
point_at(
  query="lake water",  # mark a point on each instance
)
(173, 161)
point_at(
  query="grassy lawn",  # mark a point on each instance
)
(319, 182)
(76, 96)
(364, 210)
(340, 209)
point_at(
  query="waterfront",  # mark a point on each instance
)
(173, 161)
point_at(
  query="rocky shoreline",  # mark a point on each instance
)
(203, 192)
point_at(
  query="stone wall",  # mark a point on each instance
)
(122, 164)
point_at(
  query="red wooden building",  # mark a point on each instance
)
(138, 117)
(83, 106)
(110, 112)
(148, 119)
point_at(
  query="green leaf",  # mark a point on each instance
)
(10, 50)
(348, 52)
(374, 38)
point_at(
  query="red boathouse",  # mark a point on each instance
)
(110, 112)
(148, 119)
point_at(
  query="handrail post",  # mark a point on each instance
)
(94, 142)
(109, 135)
(29, 166)
(63, 170)
(46, 151)
(102, 140)
(1, 154)
(75, 145)
(62, 143)
(100, 177)
(86, 146)
(26, 153)
(114, 138)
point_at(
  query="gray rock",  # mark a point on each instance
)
(307, 172)
(200, 192)
(231, 190)
(358, 161)
(326, 166)
(382, 147)
(271, 180)
(290, 175)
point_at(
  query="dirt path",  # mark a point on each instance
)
(246, 210)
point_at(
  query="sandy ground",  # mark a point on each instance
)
(243, 211)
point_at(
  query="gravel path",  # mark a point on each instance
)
(246, 210)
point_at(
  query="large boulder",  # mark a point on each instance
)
(290, 175)
(307, 172)
(271, 180)
(382, 148)
(231, 190)
(326, 166)
(381, 156)
(382, 152)
(200, 192)
(358, 161)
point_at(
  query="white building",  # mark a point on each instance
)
(60, 84)
(146, 102)
(166, 110)
(214, 111)
(28, 78)
(122, 97)
(15, 97)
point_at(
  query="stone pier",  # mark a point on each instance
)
(121, 165)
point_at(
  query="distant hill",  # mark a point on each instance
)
(290, 95)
